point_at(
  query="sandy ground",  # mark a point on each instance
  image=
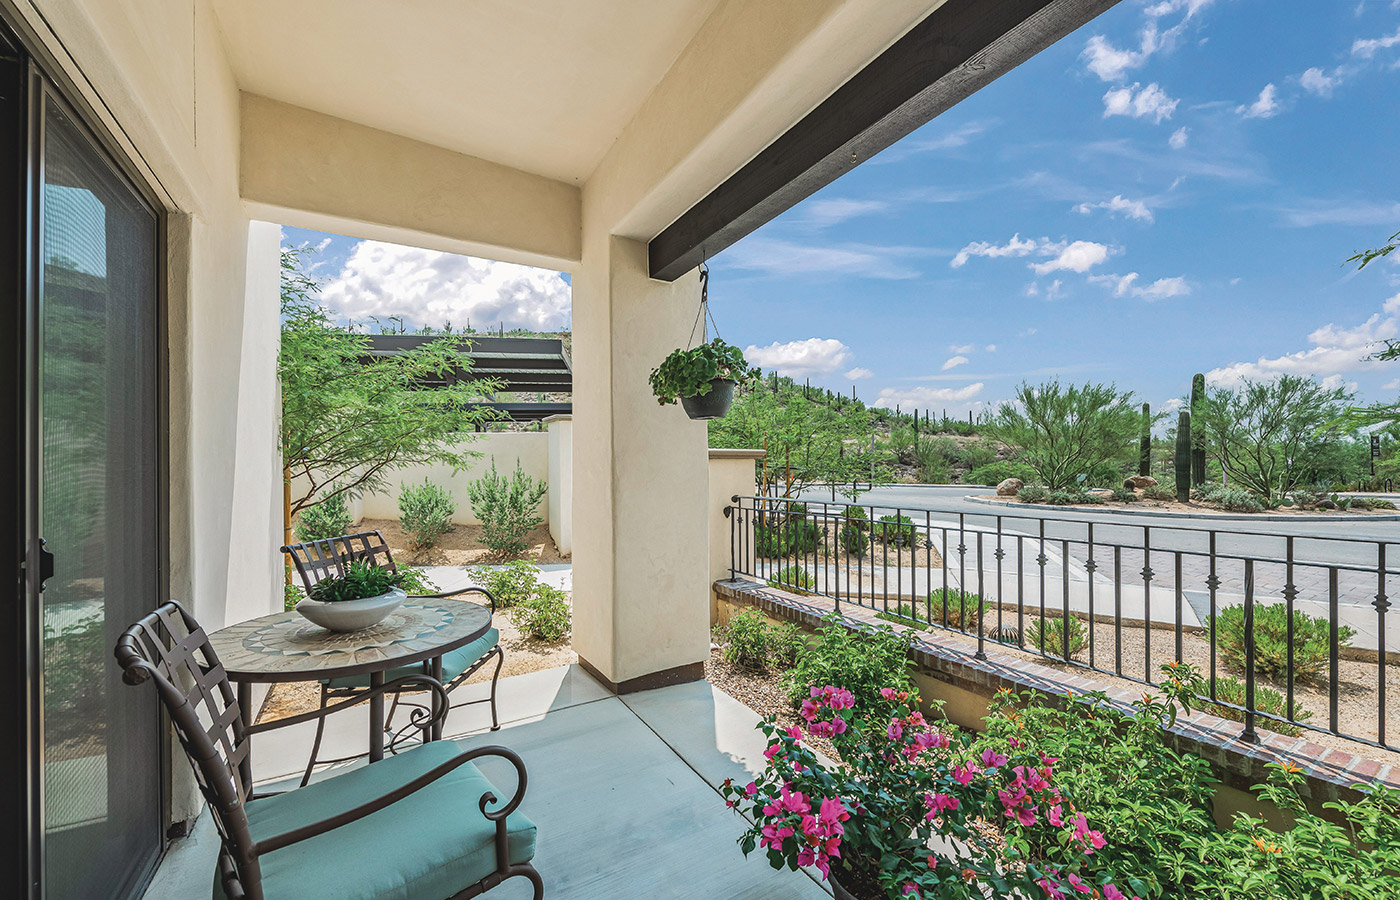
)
(522, 654)
(461, 546)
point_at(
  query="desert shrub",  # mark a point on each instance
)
(1033, 493)
(857, 517)
(511, 585)
(1048, 635)
(1311, 641)
(994, 473)
(1166, 492)
(425, 512)
(1062, 498)
(1373, 503)
(1124, 495)
(862, 661)
(327, 519)
(1090, 498)
(1239, 500)
(978, 454)
(1207, 493)
(792, 578)
(933, 459)
(785, 641)
(768, 541)
(506, 507)
(854, 540)
(896, 530)
(1229, 689)
(545, 616)
(962, 608)
(786, 536)
(751, 641)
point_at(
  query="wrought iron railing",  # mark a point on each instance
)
(1096, 591)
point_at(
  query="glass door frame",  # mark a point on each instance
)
(25, 88)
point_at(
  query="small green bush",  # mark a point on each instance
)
(896, 530)
(425, 512)
(788, 536)
(1311, 641)
(1124, 495)
(1373, 503)
(854, 541)
(545, 616)
(785, 641)
(1062, 498)
(508, 508)
(1162, 492)
(751, 641)
(511, 585)
(862, 662)
(1033, 493)
(856, 517)
(327, 519)
(963, 610)
(1229, 689)
(1238, 500)
(1089, 498)
(994, 473)
(1048, 635)
(978, 455)
(792, 578)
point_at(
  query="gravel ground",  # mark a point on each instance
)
(461, 546)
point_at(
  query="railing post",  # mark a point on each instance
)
(1212, 585)
(1381, 604)
(1147, 603)
(1249, 735)
(981, 605)
(1090, 566)
(1000, 555)
(1290, 590)
(1334, 641)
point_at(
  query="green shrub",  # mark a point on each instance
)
(963, 610)
(327, 519)
(994, 473)
(1124, 495)
(978, 455)
(861, 661)
(896, 530)
(785, 641)
(856, 517)
(511, 585)
(506, 507)
(933, 460)
(1229, 689)
(292, 594)
(1048, 636)
(425, 512)
(1089, 498)
(786, 536)
(1207, 493)
(545, 616)
(1163, 492)
(1311, 641)
(1373, 503)
(751, 641)
(1062, 498)
(1239, 500)
(1033, 493)
(854, 541)
(792, 578)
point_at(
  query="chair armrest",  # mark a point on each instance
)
(467, 590)
(426, 681)
(277, 842)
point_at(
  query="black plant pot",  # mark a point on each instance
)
(712, 405)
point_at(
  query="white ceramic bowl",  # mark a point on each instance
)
(352, 615)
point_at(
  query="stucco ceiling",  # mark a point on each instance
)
(540, 85)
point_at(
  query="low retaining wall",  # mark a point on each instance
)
(954, 675)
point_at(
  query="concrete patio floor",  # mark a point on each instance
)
(623, 790)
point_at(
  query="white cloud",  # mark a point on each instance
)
(953, 362)
(1367, 47)
(1014, 247)
(1341, 212)
(1054, 292)
(858, 373)
(429, 287)
(1150, 102)
(1127, 286)
(824, 212)
(814, 356)
(927, 396)
(991, 348)
(1027, 332)
(1391, 385)
(787, 259)
(1109, 62)
(1315, 81)
(1264, 107)
(1079, 256)
(1334, 353)
(958, 349)
(1171, 405)
(1132, 209)
(1179, 138)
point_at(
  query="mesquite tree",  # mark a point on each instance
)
(348, 419)
(1067, 431)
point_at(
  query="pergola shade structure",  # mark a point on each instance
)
(518, 365)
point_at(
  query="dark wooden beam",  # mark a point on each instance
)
(959, 48)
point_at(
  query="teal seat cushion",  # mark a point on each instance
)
(430, 845)
(453, 664)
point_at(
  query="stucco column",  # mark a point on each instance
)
(731, 475)
(641, 535)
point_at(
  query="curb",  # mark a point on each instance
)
(1168, 514)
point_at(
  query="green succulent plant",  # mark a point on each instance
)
(688, 373)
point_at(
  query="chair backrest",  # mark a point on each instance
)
(170, 648)
(317, 560)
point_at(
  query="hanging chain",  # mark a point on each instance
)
(704, 319)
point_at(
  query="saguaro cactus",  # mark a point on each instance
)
(1145, 442)
(1198, 451)
(1183, 456)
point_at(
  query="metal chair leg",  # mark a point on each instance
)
(500, 659)
(316, 744)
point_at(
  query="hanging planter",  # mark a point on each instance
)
(702, 378)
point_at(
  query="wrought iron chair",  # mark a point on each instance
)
(316, 560)
(401, 828)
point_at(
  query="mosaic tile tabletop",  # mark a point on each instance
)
(287, 647)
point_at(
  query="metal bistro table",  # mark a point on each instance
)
(285, 647)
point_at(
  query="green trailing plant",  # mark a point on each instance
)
(425, 512)
(545, 616)
(360, 581)
(327, 519)
(1183, 456)
(1048, 636)
(689, 373)
(864, 660)
(511, 585)
(1229, 689)
(792, 578)
(994, 473)
(1311, 641)
(508, 508)
(1033, 493)
(1145, 441)
(897, 531)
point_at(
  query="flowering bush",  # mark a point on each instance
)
(896, 817)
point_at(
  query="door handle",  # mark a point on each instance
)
(45, 564)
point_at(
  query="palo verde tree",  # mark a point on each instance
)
(1064, 431)
(1382, 415)
(1269, 435)
(348, 419)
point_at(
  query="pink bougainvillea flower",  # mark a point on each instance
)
(911, 889)
(992, 759)
(1012, 798)
(1048, 761)
(936, 803)
(1076, 883)
(751, 788)
(794, 732)
(838, 725)
(1051, 887)
(1111, 892)
(806, 856)
(809, 710)
(1023, 814)
(964, 774)
(772, 751)
(932, 861)
(895, 730)
(1014, 744)
(832, 812)
(1053, 814)
(842, 699)
(887, 693)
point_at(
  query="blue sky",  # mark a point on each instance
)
(1171, 189)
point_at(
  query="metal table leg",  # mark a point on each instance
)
(436, 731)
(376, 718)
(245, 708)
